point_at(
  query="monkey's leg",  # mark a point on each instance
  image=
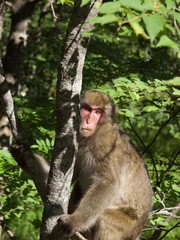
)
(116, 225)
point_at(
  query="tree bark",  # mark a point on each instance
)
(2, 2)
(13, 63)
(68, 90)
(37, 173)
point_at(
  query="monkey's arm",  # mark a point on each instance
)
(95, 201)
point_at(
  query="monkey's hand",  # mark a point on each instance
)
(65, 225)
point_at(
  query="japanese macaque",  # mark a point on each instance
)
(112, 196)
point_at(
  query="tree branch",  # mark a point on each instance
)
(159, 131)
(21, 139)
(144, 146)
(22, 11)
(7, 230)
(2, 3)
(171, 215)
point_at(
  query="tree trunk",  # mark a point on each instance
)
(13, 63)
(2, 2)
(2, 13)
(68, 90)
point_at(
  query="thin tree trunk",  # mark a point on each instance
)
(22, 11)
(2, 2)
(2, 13)
(68, 90)
(37, 173)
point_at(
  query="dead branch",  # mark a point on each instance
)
(7, 230)
(80, 236)
(160, 228)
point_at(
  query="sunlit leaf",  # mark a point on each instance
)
(127, 113)
(150, 109)
(173, 82)
(138, 29)
(134, 96)
(104, 19)
(84, 2)
(177, 16)
(170, 4)
(176, 92)
(137, 5)
(165, 41)
(154, 25)
(110, 7)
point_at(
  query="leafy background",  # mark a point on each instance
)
(134, 57)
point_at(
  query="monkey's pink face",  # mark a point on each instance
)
(90, 119)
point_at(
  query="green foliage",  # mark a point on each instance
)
(68, 2)
(133, 56)
(19, 199)
(45, 146)
(147, 19)
(37, 115)
(22, 207)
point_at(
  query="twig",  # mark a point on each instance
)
(171, 161)
(131, 20)
(159, 131)
(175, 22)
(9, 4)
(165, 211)
(144, 146)
(80, 236)
(160, 228)
(136, 134)
(52, 8)
(7, 230)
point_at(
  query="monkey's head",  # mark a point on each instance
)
(96, 109)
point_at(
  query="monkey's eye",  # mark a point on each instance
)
(86, 107)
(98, 111)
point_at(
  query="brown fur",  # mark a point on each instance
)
(112, 198)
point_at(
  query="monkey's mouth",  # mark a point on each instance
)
(86, 129)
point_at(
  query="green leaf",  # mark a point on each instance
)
(158, 197)
(152, 222)
(154, 25)
(48, 143)
(177, 16)
(172, 82)
(104, 19)
(166, 42)
(110, 7)
(176, 92)
(150, 109)
(134, 96)
(84, 2)
(170, 4)
(137, 28)
(176, 187)
(127, 113)
(137, 5)
(61, 1)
